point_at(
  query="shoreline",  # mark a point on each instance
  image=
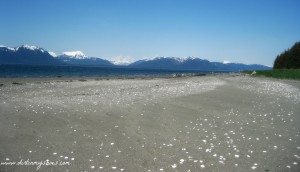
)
(23, 80)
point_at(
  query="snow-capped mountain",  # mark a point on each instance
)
(31, 47)
(33, 55)
(74, 54)
(28, 47)
(78, 58)
(53, 54)
(26, 54)
(177, 59)
(189, 63)
(192, 63)
(122, 60)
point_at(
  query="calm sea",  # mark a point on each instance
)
(79, 71)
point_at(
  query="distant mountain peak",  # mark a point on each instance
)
(183, 59)
(30, 47)
(9, 48)
(192, 63)
(27, 47)
(75, 54)
(52, 54)
(27, 54)
(122, 60)
(226, 62)
(178, 59)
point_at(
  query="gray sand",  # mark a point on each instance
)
(210, 123)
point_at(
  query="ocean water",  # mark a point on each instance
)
(80, 71)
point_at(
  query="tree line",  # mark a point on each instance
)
(289, 59)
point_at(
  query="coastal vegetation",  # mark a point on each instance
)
(277, 73)
(286, 65)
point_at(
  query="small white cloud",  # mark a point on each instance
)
(122, 60)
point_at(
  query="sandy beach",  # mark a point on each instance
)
(205, 123)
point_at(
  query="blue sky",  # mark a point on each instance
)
(247, 31)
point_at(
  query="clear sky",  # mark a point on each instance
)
(247, 31)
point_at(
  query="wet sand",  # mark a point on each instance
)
(207, 123)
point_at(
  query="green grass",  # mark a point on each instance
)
(278, 73)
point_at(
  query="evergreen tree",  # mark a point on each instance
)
(289, 59)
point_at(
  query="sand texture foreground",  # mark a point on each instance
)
(209, 123)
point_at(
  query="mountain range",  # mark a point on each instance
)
(27, 55)
(33, 55)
